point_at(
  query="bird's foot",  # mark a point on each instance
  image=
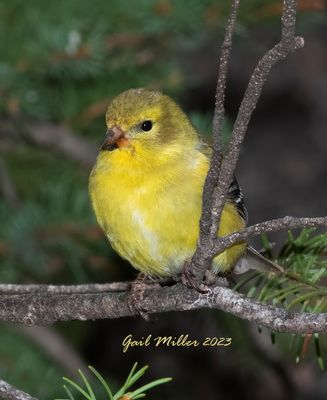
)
(190, 280)
(136, 295)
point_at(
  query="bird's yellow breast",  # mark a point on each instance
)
(149, 204)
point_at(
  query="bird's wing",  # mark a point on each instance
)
(252, 258)
(234, 192)
(235, 195)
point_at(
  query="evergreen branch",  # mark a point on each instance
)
(41, 308)
(122, 393)
(202, 258)
(8, 392)
(304, 263)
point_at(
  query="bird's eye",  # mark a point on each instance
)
(146, 126)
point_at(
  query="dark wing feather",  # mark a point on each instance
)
(234, 192)
(236, 196)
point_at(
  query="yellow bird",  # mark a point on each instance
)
(146, 186)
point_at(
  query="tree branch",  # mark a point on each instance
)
(204, 241)
(43, 308)
(274, 225)
(10, 288)
(219, 110)
(8, 392)
(215, 195)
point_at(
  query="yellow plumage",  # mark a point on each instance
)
(146, 185)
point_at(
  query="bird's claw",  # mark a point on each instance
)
(190, 280)
(136, 295)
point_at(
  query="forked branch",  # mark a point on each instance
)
(42, 305)
(215, 194)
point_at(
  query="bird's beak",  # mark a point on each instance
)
(115, 138)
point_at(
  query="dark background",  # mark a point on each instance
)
(60, 65)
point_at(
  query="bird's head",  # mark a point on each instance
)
(144, 119)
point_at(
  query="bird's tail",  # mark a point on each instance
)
(252, 259)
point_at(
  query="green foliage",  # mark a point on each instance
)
(305, 263)
(69, 55)
(62, 62)
(65, 57)
(301, 287)
(52, 236)
(122, 394)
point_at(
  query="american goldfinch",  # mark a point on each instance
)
(146, 186)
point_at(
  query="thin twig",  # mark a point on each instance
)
(44, 309)
(8, 392)
(219, 112)
(204, 242)
(274, 225)
(289, 43)
(202, 258)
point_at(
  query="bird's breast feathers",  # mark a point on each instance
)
(151, 215)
